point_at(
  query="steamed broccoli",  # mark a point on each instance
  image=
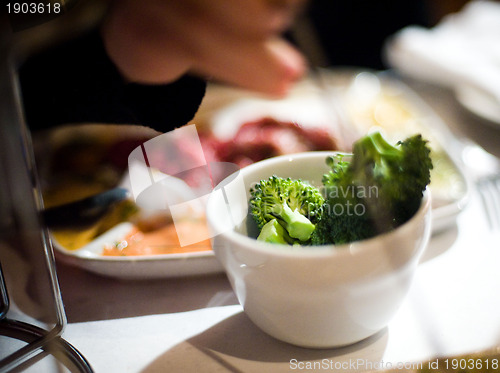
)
(378, 189)
(273, 232)
(293, 204)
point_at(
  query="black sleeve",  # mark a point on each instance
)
(76, 82)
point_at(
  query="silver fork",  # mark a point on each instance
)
(489, 190)
(485, 169)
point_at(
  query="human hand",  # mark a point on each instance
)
(235, 42)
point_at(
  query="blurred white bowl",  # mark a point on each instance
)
(323, 296)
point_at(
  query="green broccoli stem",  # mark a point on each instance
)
(297, 225)
(374, 146)
(273, 232)
(374, 152)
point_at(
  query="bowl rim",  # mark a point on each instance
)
(239, 239)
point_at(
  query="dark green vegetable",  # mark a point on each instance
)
(373, 190)
(293, 204)
(377, 190)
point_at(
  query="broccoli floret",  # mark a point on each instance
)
(339, 229)
(273, 232)
(338, 168)
(378, 189)
(294, 204)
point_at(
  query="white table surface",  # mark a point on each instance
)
(196, 324)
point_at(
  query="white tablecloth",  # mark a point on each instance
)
(453, 307)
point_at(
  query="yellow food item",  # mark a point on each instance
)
(72, 239)
(162, 241)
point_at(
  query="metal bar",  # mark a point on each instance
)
(19, 210)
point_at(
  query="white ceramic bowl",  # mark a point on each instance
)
(323, 296)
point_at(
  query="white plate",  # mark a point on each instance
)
(308, 104)
(479, 103)
(142, 267)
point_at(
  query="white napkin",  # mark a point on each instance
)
(463, 50)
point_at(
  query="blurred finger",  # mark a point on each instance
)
(269, 66)
(160, 42)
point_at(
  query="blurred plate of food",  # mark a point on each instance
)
(334, 107)
(380, 101)
(128, 242)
